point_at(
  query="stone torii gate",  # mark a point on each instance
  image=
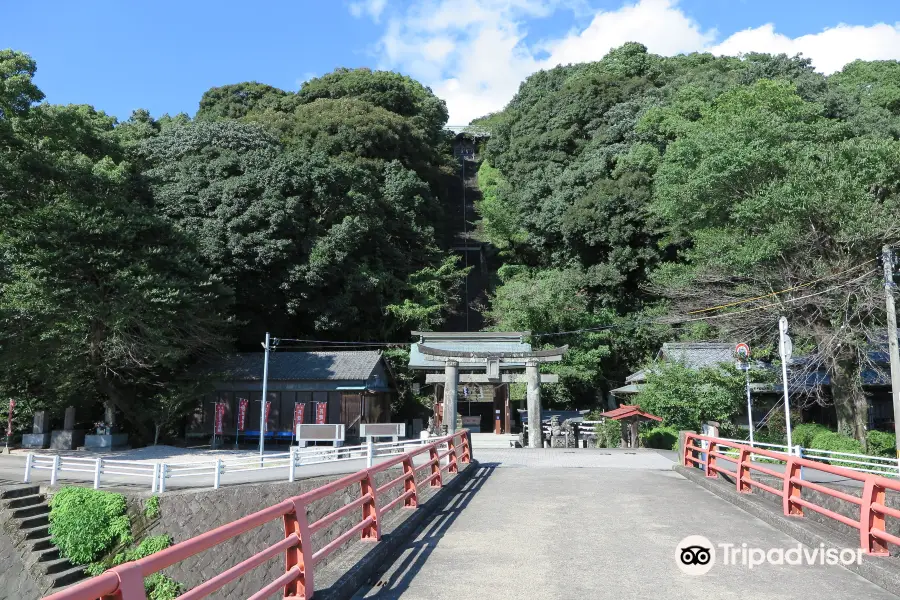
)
(488, 366)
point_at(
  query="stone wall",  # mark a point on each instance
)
(187, 513)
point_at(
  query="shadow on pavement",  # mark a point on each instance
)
(417, 552)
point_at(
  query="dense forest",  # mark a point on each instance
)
(634, 194)
(132, 250)
(621, 197)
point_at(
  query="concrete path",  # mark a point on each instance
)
(550, 525)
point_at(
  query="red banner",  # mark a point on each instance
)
(299, 410)
(220, 418)
(242, 413)
(12, 406)
(268, 410)
(321, 412)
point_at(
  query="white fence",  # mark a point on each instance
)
(158, 474)
(879, 465)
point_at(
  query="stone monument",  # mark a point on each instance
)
(40, 432)
(67, 438)
(108, 439)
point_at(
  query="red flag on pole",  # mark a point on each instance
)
(242, 413)
(268, 410)
(12, 406)
(299, 409)
(321, 412)
(220, 418)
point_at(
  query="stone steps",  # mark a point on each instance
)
(26, 509)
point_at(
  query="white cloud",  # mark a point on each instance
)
(475, 53)
(829, 50)
(373, 8)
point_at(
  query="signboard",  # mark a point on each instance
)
(320, 433)
(321, 413)
(9, 428)
(743, 351)
(242, 413)
(382, 430)
(268, 410)
(299, 410)
(220, 418)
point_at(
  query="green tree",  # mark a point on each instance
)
(764, 192)
(99, 298)
(685, 398)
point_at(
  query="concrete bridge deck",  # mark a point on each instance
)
(599, 524)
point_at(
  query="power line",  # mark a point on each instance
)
(671, 321)
(654, 321)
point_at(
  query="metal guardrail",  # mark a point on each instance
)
(126, 581)
(871, 502)
(158, 474)
(864, 463)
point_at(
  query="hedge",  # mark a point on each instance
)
(835, 442)
(881, 443)
(662, 437)
(804, 433)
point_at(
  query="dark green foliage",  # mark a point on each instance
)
(86, 523)
(239, 100)
(151, 508)
(881, 443)
(803, 434)
(836, 442)
(662, 437)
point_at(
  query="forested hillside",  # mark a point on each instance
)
(625, 197)
(130, 251)
(640, 190)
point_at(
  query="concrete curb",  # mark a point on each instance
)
(342, 578)
(882, 571)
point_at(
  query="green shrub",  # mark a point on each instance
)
(86, 523)
(151, 509)
(157, 586)
(161, 587)
(881, 443)
(609, 433)
(835, 442)
(804, 433)
(662, 437)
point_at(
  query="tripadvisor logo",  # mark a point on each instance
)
(696, 555)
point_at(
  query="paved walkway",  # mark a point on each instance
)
(549, 524)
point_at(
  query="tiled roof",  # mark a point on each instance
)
(698, 354)
(303, 366)
(628, 410)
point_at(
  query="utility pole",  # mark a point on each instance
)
(786, 348)
(262, 404)
(887, 254)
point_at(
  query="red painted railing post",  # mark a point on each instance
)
(451, 458)
(371, 533)
(688, 442)
(297, 524)
(791, 490)
(409, 483)
(131, 583)
(743, 471)
(870, 520)
(436, 478)
(711, 461)
(467, 447)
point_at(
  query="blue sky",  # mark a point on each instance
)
(163, 55)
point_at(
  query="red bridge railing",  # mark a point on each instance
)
(870, 523)
(126, 582)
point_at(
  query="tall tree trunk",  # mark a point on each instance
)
(850, 403)
(136, 418)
